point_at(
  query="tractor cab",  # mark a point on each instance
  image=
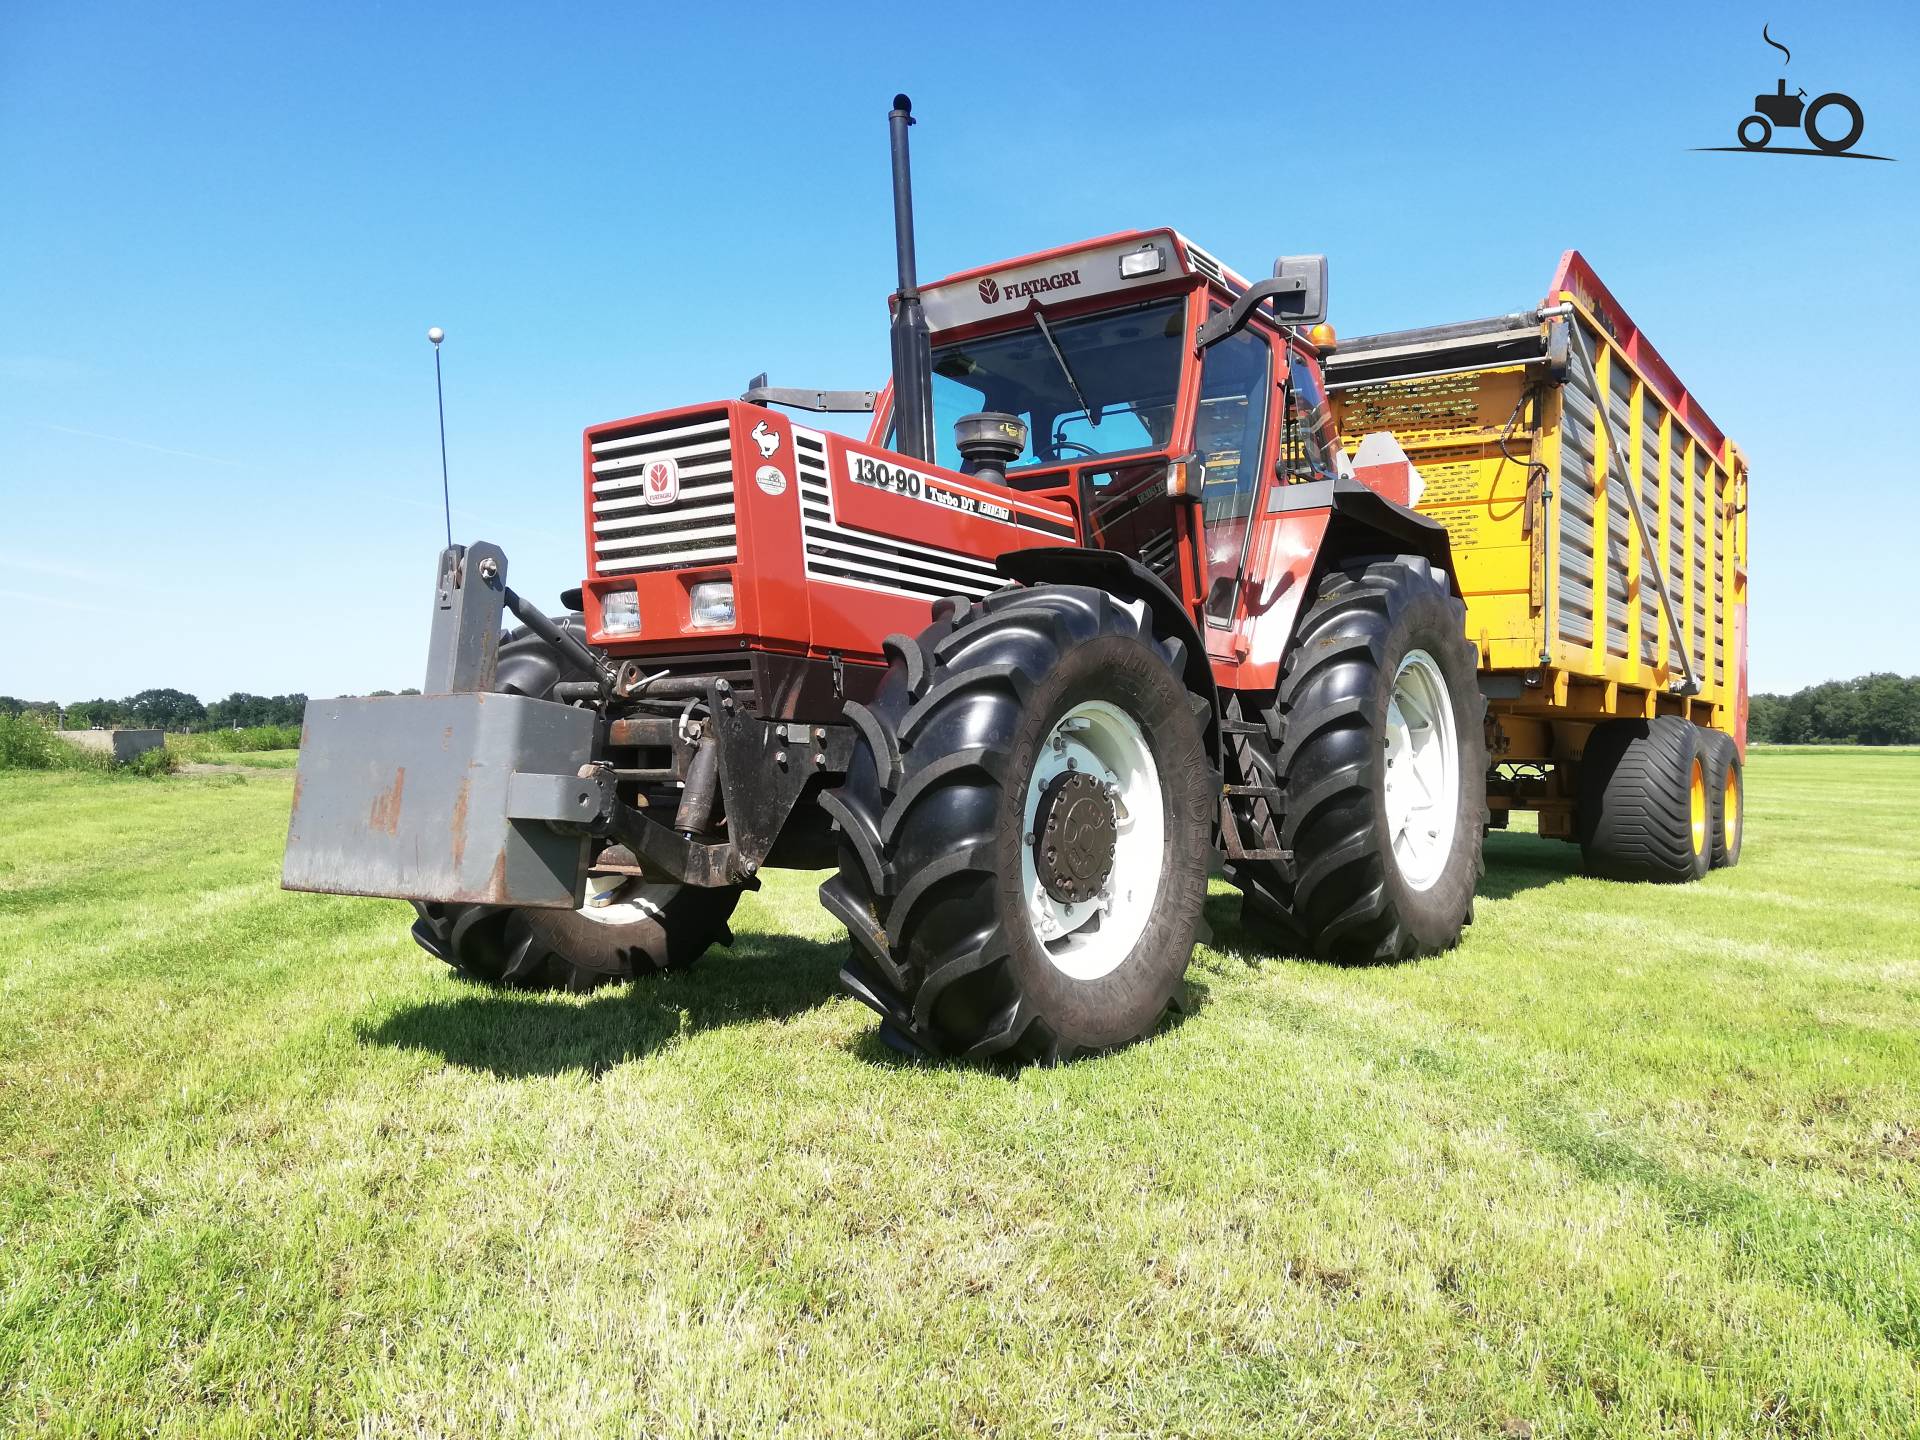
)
(1158, 394)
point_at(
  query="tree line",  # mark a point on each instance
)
(165, 709)
(1868, 710)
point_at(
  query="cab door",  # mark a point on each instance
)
(1234, 434)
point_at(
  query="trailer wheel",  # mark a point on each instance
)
(643, 928)
(1026, 828)
(1645, 810)
(1381, 769)
(1727, 793)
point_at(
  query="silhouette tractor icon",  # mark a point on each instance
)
(1791, 112)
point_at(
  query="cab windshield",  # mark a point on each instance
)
(1109, 390)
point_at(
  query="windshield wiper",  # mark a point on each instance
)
(1046, 332)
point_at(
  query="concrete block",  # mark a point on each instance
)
(122, 745)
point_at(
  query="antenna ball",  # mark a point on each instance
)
(436, 334)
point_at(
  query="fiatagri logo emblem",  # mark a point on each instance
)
(663, 481)
(992, 291)
(1832, 122)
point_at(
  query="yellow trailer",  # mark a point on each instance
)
(1598, 521)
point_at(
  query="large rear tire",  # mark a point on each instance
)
(1645, 812)
(642, 928)
(1026, 829)
(1381, 769)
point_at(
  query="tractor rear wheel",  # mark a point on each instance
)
(1645, 812)
(1026, 828)
(1381, 770)
(637, 929)
(1727, 792)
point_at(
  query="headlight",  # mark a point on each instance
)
(620, 613)
(710, 604)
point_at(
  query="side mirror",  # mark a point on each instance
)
(1297, 292)
(1303, 298)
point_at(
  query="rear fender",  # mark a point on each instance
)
(1364, 522)
(1126, 577)
(1310, 530)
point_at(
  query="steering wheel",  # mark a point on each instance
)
(1086, 450)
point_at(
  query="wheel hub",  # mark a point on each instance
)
(1423, 771)
(1075, 830)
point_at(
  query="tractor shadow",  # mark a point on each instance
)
(1518, 862)
(768, 976)
(1515, 863)
(517, 1035)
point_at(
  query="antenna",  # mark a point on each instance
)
(436, 335)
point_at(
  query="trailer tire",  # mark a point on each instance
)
(659, 927)
(1380, 674)
(1726, 790)
(1001, 724)
(1645, 811)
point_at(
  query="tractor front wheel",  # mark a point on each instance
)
(636, 929)
(641, 930)
(1026, 826)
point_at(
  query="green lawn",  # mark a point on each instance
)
(1632, 1161)
(254, 759)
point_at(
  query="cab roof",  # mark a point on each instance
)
(1108, 265)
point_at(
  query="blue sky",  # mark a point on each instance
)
(225, 230)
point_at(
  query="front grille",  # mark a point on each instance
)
(733, 666)
(698, 528)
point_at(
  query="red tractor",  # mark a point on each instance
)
(1097, 605)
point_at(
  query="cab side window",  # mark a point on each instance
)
(1306, 442)
(1229, 434)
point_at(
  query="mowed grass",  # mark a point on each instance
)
(1633, 1161)
(251, 759)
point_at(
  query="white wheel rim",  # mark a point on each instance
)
(1423, 771)
(641, 902)
(1090, 939)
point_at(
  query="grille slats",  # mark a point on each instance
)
(657, 435)
(852, 557)
(700, 527)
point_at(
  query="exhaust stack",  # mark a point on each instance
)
(912, 345)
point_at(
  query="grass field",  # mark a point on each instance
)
(1633, 1161)
(251, 759)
